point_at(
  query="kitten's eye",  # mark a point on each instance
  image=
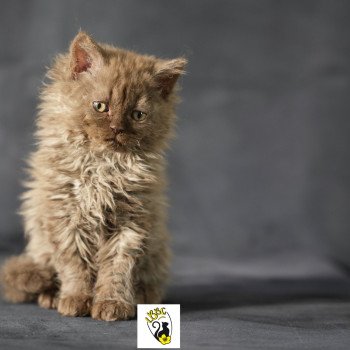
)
(138, 115)
(100, 106)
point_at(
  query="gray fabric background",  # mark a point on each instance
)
(259, 173)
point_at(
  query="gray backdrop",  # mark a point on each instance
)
(259, 173)
(261, 159)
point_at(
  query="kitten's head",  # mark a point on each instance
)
(116, 98)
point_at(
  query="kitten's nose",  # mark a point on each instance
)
(116, 129)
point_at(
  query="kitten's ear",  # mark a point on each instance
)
(85, 55)
(167, 73)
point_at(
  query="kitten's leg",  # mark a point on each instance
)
(32, 275)
(40, 247)
(76, 284)
(114, 297)
(153, 270)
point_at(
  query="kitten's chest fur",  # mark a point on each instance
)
(110, 190)
(99, 195)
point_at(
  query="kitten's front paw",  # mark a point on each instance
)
(112, 310)
(74, 305)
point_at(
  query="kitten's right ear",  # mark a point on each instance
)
(85, 55)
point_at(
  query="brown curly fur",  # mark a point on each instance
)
(94, 208)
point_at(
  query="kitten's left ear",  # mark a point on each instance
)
(85, 55)
(167, 73)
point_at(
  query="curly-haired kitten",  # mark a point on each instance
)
(94, 209)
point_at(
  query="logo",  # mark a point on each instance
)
(158, 326)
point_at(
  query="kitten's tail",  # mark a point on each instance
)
(23, 279)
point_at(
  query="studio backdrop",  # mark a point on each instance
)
(261, 161)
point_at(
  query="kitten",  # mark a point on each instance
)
(94, 209)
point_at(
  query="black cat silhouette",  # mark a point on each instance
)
(159, 332)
